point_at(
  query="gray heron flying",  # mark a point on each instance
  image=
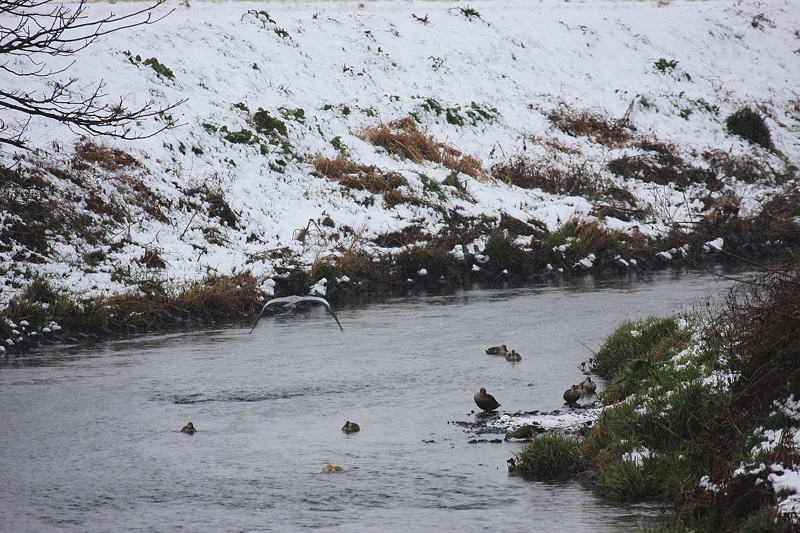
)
(290, 302)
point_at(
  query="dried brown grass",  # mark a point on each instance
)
(356, 176)
(663, 169)
(528, 173)
(746, 169)
(600, 128)
(402, 138)
(88, 152)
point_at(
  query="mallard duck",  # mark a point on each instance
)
(188, 428)
(513, 356)
(485, 401)
(497, 350)
(330, 468)
(572, 394)
(588, 386)
(350, 427)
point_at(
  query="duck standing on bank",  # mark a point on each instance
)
(588, 386)
(485, 401)
(572, 394)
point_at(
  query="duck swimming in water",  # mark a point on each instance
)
(188, 428)
(497, 350)
(351, 427)
(513, 356)
(485, 401)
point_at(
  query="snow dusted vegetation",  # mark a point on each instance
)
(539, 113)
(311, 146)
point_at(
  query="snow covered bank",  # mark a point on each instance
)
(269, 86)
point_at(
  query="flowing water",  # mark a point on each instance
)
(90, 441)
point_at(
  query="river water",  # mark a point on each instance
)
(90, 440)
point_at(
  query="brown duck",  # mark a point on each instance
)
(572, 394)
(588, 386)
(513, 356)
(485, 401)
(188, 428)
(497, 350)
(523, 432)
(351, 427)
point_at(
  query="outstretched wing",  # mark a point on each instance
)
(294, 300)
(271, 303)
(324, 303)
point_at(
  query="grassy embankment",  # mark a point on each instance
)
(690, 403)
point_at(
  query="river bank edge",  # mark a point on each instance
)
(700, 414)
(45, 314)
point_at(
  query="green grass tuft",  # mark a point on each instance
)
(548, 456)
(749, 124)
(649, 340)
(623, 481)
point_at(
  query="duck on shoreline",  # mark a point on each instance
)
(572, 394)
(525, 432)
(485, 401)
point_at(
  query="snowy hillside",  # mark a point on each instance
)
(275, 92)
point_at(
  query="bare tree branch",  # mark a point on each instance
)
(33, 30)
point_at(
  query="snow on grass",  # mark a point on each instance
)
(484, 85)
(567, 421)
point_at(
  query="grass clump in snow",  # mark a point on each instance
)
(746, 168)
(469, 13)
(437, 263)
(243, 136)
(473, 114)
(357, 176)
(663, 168)
(601, 129)
(665, 65)
(266, 124)
(588, 243)
(160, 69)
(402, 138)
(750, 125)
(507, 258)
(293, 113)
(105, 157)
(339, 145)
(527, 173)
(548, 456)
